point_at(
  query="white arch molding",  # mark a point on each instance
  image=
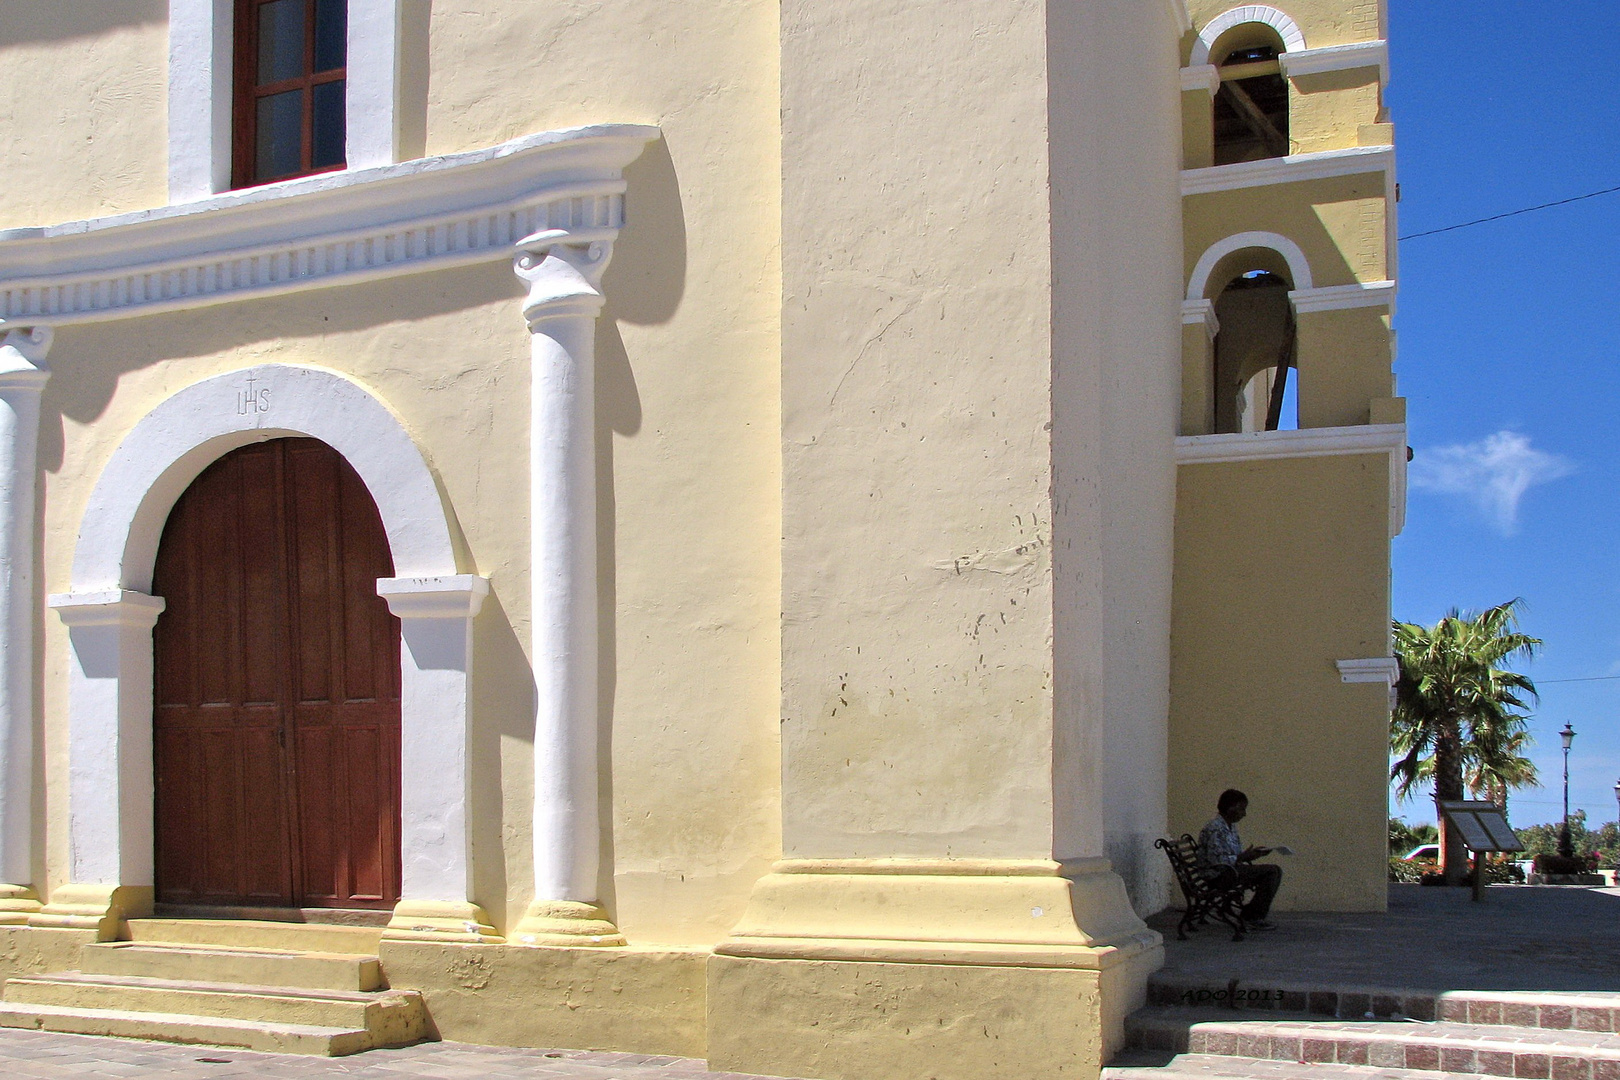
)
(110, 614)
(1287, 29)
(1292, 254)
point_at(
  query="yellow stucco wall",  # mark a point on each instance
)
(1277, 565)
(916, 562)
(687, 402)
(84, 105)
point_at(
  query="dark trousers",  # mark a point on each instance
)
(1263, 878)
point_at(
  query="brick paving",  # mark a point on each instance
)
(33, 1055)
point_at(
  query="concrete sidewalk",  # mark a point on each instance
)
(32, 1055)
(1564, 938)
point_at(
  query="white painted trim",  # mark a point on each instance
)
(1298, 266)
(172, 444)
(1376, 669)
(436, 655)
(1293, 37)
(110, 617)
(23, 375)
(320, 231)
(109, 734)
(371, 98)
(200, 60)
(1246, 446)
(201, 53)
(1205, 77)
(1293, 169)
(1179, 12)
(1361, 54)
(1361, 294)
(1304, 443)
(1194, 312)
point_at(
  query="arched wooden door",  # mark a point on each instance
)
(277, 758)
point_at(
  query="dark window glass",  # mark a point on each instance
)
(280, 130)
(281, 41)
(328, 125)
(291, 74)
(331, 35)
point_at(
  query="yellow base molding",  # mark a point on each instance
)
(567, 923)
(946, 968)
(94, 907)
(979, 911)
(441, 920)
(637, 999)
(17, 902)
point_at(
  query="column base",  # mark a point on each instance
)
(441, 920)
(17, 903)
(94, 907)
(567, 923)
(955, 969)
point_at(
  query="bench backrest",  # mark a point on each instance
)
(1191, 874)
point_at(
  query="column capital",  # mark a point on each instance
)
(563, 270)
(22, 356)
(450, 596)
(108, 607)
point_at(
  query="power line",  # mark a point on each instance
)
(1590, 678)
(1512, 213)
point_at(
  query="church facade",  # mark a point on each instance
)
(721, 530)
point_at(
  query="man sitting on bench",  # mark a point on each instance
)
(1219, 847)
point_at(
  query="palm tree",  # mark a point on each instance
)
(1453, 703)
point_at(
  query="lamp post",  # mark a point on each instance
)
(1566, 847)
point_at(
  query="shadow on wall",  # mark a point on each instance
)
(502, 712)
(415, 71)
(647, 278)
(24, 22)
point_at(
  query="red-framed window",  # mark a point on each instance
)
(291, 67)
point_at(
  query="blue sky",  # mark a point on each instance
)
(1509, 336)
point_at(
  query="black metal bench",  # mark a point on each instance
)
(1207, 897)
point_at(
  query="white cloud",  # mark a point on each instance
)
(1493, 473)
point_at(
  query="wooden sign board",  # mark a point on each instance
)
(1482, 825)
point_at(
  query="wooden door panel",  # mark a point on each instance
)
(277, 687)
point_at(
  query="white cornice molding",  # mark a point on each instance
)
(1205, 77)
(1248, 446)
(108, 607)
(1361, 294)
(1361, 54)
(452, 596)
(321, 231)
(1201, 312)
(1296, 168)
(1373, 669)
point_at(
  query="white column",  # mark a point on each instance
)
(436, 624)
(23, 375)
(109, 759)
(561, 310)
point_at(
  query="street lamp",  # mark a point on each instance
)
(1566, 847)
(1617, 795)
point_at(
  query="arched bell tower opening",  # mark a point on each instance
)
(276, 721)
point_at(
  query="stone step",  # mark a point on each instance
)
(190, 1030)
(1527, 1053)
(256, 934)
(218, 964)
(395, 1017)
(1558, 1011)
(1212, 1067)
